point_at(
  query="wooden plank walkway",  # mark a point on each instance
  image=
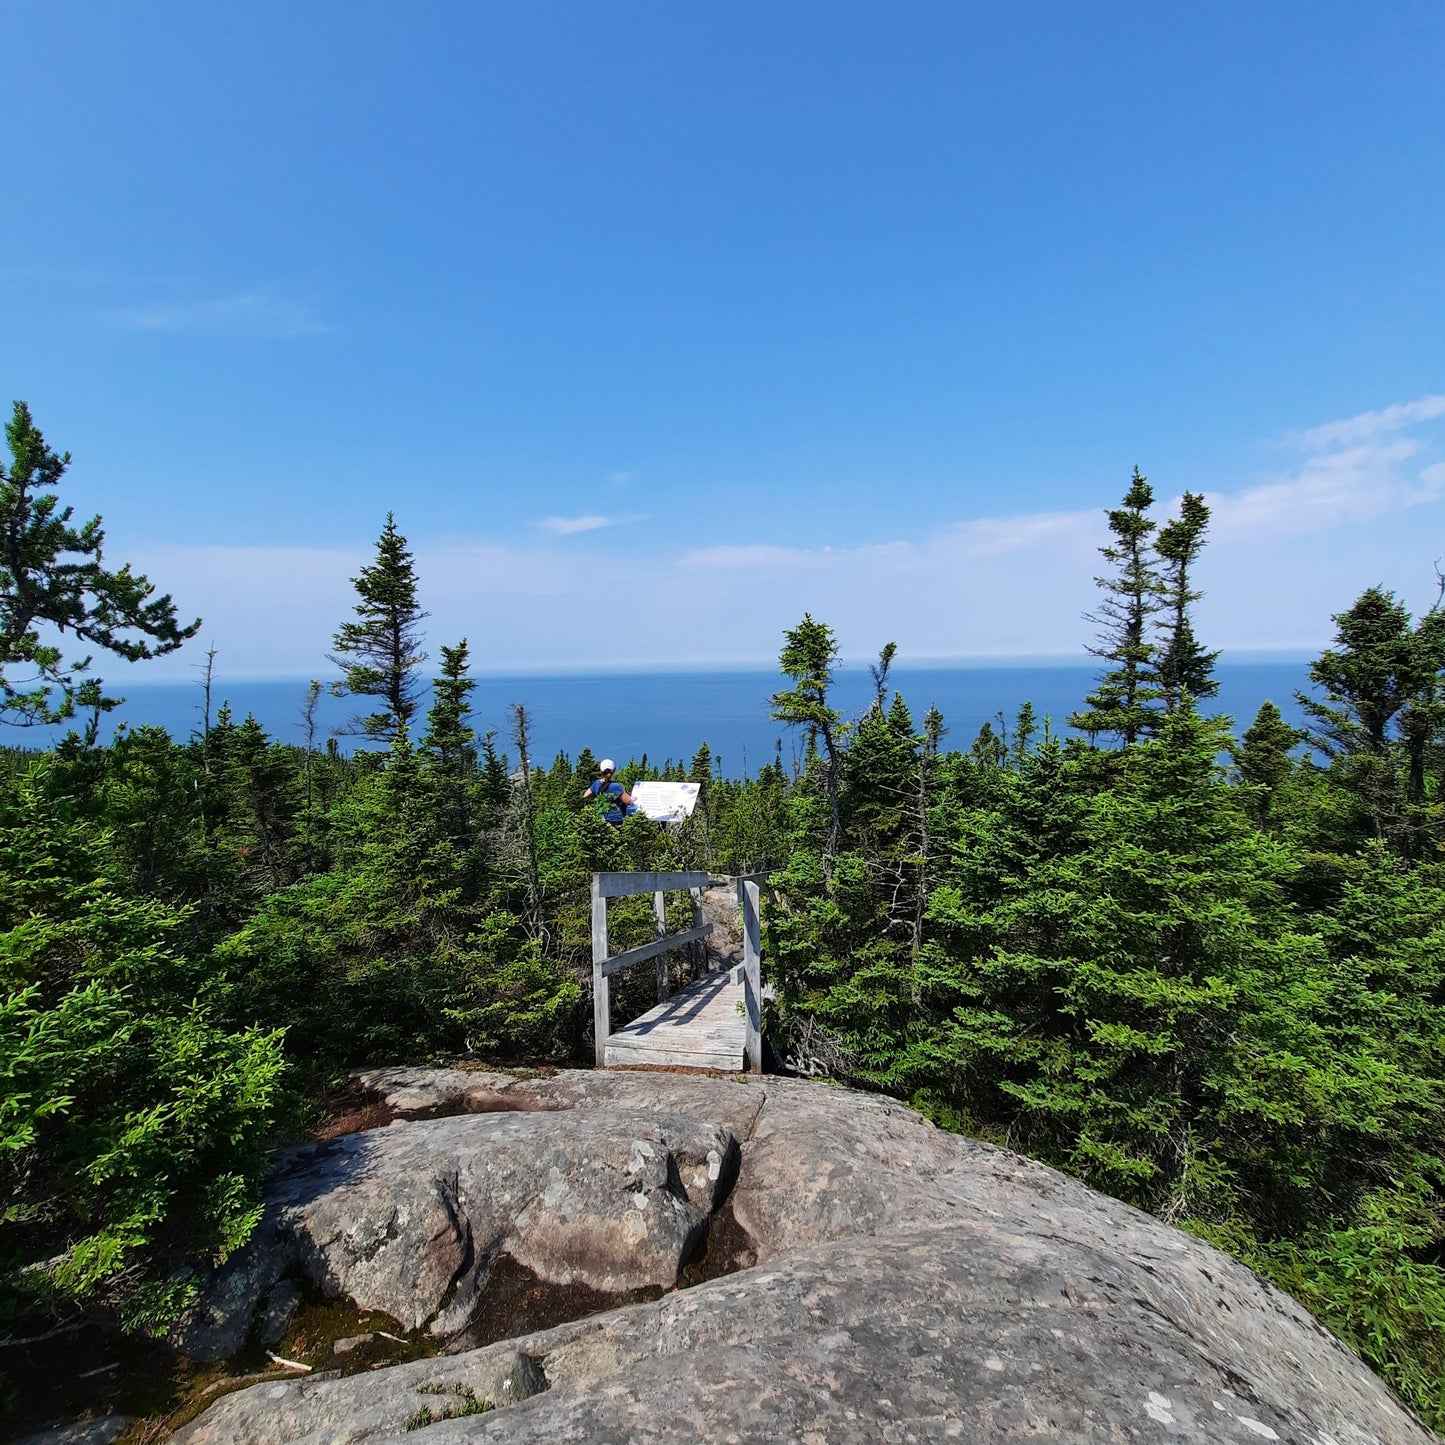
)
(701, 1027)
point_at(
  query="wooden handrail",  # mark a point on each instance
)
(666, 944)
(626, 885)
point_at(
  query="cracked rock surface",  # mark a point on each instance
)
(911, 1285)
(409, 1219)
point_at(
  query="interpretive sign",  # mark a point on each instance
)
(665, 802)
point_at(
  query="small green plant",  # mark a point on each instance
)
(466, 1403)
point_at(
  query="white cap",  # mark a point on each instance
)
(607, 766)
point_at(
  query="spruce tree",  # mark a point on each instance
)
(879, 670)
(1025, 726)
(53, 578)
(989, 749)
(700, 769)
(809, 653)
(379, 653)
(261, 786)
(1133, 597)
(1263, 758)
(1184, 666)
(1368, 677)
(496, 783)
(450, 740)
(1383, 710)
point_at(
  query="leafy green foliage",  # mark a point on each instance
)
(134, 1115)
(1212, 992)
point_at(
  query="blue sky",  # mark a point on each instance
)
(657, 323)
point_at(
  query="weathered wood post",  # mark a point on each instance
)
(698, 947)
(752, 975)
(601, 1014)
(659, 929)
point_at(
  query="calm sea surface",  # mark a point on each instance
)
(666, 715)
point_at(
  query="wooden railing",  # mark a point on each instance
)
(604, 965)
(749, 885)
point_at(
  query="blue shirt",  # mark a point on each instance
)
(613, 791)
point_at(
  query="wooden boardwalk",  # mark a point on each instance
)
(701, 1027)
(715, 1023)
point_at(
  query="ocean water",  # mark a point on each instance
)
(667, 714)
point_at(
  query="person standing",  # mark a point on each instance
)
(618, 799)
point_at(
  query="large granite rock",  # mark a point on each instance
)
(911, 1285)
(409, 1219)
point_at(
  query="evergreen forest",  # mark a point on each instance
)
(1196, 962)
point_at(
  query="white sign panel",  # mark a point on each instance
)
(665, 802)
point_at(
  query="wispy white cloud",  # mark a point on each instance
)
(995, 536)
(1285, 552)
(1429, 484)
(570, 526)
(255, 313)
(1352, 485)
(1352, 471)
(1373, 423)
(958, 541)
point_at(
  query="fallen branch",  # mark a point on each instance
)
(48, 1335)
(289, 1364)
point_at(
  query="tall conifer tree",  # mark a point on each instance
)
(1263, 758)
(1133, 597)
(379, 653)
(1383, 708)
(52, 578)
(1184, 666)
(809, 651)
(450, 741)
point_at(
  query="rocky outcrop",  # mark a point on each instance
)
(409, 1220)
(910, 1285)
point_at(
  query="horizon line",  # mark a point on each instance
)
(946, 662)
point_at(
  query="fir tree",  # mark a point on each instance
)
(1367, 677)
(878, 671)
(1025, 727)
(450, 741)
(810, 651)
(379, 653)
(1184, 666)
(496, 784)
(52, 577)
(989, 749)
(1382, 711)
(260, 784)
(586, 770)
(1263, 758)
(1133, 597)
